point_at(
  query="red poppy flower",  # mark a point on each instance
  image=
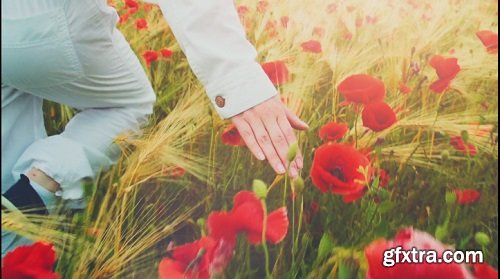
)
(197, 260)
(407, 239)
(150, 56)
(132, 10)
(131, 4)
(311, 46)
(247, 217)
(150, 6)
(405, 89)
(178, 172)
(484, 271)
(335, 169)
(347, 36)
(362, 89)
(333, 131)
(231, 136)
(489, 40)
(166, 53)
(284, 20)
(319, 31)
(446, 69)
(331, 8)
(467, 196)
(378, 116)
(277, 72)
(460, 145)
(34, 261)
(141, 23)
(371, 19)
(262, 6)
(359, 22)
(123, 18)
(242, 10)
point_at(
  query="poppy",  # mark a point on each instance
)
(467, 196)
(177, 172)
(247, 217)
(336, 169)
(489, 40)
(348, 36)
(371, 19)
(333, 131)
(197, 260)
(150, 56)
(362, 89)
(311, 46)
(132, 10)
(405, 89)
(277, 72)
(242, 10)
(141, 23)
(284, 20)
(35, 261)
(378, 116)
(166, 53)
(231, 136)
(446, 70)
(484, 271)
(123, 18)
(131, 4)
(460, 145)
(319, 31)
(331, 8)
(407, 239)
(262, 6)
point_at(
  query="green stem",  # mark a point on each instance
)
(264, 242)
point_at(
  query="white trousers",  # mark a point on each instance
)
(69, 52)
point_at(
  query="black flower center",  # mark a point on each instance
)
(337, 172)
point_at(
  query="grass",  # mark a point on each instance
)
(135, 209)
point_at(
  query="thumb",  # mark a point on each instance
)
(295, 121)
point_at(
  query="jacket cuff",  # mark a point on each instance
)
(239, 92)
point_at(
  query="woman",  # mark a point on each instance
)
(70, 52)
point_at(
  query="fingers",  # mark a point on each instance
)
(247, 134)
(258, 139)
(265, 141)
(280, 143)
(267, 130)
(295, 121)
(287, 130)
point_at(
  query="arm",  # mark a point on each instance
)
(211, 36)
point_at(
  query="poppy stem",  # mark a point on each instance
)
(264, 243)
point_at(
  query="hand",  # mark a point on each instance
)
(267, 130)
(43, 180)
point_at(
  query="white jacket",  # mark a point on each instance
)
(214, 41)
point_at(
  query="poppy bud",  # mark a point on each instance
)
(465, 136)
(298, 184)
(260, 189)
(482, 239)
(348, 269)
(292, 152)
(441, 232)
(451, 198)
(445, 155)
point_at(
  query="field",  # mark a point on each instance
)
(402, 102)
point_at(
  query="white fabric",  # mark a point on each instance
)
(69, 52)
(214, 41)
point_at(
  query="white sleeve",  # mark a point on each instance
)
(214, 41)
